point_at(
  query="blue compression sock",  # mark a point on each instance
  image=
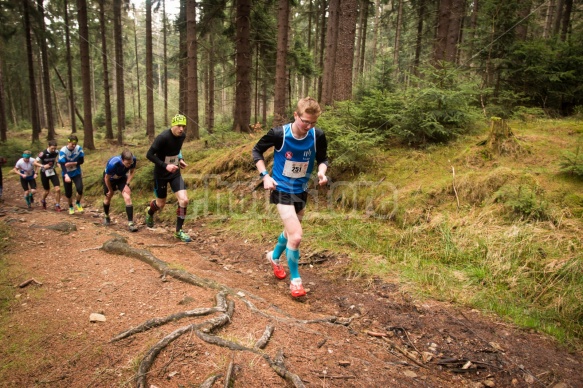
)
(293, 258)
(279, 247)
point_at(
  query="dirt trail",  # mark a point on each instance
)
(391, 340)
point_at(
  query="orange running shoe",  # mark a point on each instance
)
(278, 270)
(296, 288)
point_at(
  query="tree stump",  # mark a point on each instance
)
(501, 140)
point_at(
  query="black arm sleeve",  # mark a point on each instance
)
(321, 147)
(273, 138)
(81, 160)
(152, 154)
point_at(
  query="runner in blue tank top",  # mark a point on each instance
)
(298, 146)
(119, 172)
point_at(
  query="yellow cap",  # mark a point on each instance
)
(179, 120)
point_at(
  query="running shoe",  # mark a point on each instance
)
(296, 288)
(132, 227)
(79, 208)
(71, 210)
(106, 221)
(149, 218)
(44, 203)
(58, 208)
(182, 236)
(278, 270)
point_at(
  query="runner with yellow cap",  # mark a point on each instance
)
(165, 152)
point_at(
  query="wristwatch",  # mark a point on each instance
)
(262, 174)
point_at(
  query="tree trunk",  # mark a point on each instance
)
(75, 110)
(34, 116)
(119, 69)
(85, 74)
(3, 120)
(375, 32)
(149, 74)
(323, 26)
(558, 17)
(440, 42)
(281, 80)
(330, 52)
(40, 88)
(549, 19)
(242, 115)
(419, 37)
(192, 130)
(137, 67)
(165, 28)
(106, 88)
(210, 116)
(523, 13)
(397, 46)
(361, 53)
(182, 98)
(456, 14)
(566, 19)
(342, 83)
(46, 77)
(69, 87)
(57, 108)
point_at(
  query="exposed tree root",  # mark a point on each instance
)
(209, 382)
(262, 342)
(155, 322)
(221, 320)
(203, 330)
(29, 282)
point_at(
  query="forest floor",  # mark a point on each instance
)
(344, 333)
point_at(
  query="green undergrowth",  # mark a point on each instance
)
(454, 222)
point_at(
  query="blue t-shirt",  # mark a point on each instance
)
(75, 155)
(293, 161)
(116, 169)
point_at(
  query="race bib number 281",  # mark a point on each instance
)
(296, 170)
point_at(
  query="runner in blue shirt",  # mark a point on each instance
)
(298, 147)
(26, 170)
(118, 174)
(71, 157)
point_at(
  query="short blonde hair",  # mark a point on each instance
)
(308, 105)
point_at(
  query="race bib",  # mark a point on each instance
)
(50, 172)
(71, 168)
(172, 160)
(293, 169)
